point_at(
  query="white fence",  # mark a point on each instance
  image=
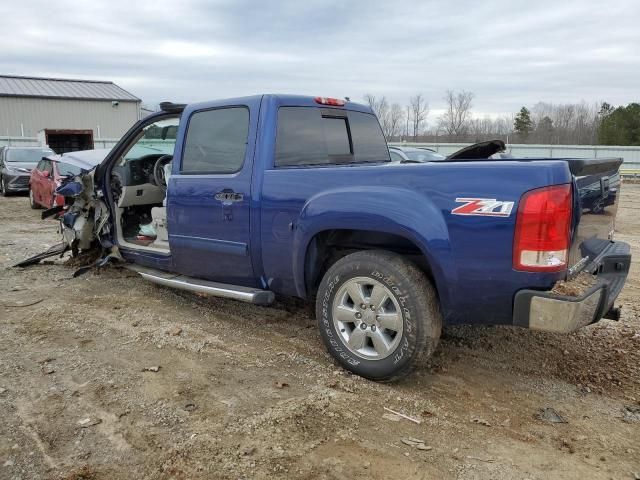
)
(630, 155)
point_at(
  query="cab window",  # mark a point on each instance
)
(216, 141)
(309, 136)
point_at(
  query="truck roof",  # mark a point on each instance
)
(278, 99)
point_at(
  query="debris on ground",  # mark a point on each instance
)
(83, 473)
(486, 460)
(480, 421)
(280, 384)
(548, 414)
(416, 443)
(21, 303)
(391, 417)
(155, 368)
(576, 287)
(631, 413)
(84, 259)
(175, 331)
(406, 417)
(89, 422)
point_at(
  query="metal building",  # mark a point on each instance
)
(66, 115)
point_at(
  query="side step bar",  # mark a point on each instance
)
(182, 282)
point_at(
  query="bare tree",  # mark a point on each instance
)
(419, 110)
(396, 117)
(455, 120)
(382, 110)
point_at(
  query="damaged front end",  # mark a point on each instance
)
(84, 221)
(84, 224)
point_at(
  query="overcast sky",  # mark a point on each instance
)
(508, 52)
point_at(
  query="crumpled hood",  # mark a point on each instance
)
(86, 160)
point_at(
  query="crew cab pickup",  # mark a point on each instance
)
(251, 197)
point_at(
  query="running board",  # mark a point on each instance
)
(182, 282)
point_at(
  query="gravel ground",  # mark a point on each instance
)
(106, 376)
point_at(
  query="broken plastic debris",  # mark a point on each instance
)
(548, 414)
(89, 422)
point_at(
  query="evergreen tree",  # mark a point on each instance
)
(620, 126)
(544, 130)
(523, 125)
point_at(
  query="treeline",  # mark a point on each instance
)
(545, 123)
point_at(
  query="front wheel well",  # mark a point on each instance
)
(329, 246)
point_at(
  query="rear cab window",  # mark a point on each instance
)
(316, 136)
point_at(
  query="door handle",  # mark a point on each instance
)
(228, 196)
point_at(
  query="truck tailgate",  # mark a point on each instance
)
(597, 193)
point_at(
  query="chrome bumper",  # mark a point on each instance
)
(539, 310)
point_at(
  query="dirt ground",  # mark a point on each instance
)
(106, 376)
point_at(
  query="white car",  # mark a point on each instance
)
(414, 155)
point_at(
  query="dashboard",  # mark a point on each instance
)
(137, 171)
(133, 182)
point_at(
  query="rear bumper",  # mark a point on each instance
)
(547, 311)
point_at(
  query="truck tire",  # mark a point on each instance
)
(378, 314)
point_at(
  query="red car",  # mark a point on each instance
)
(45, 178)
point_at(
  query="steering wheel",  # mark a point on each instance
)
(158, 171)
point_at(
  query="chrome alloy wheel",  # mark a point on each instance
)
(368, 317)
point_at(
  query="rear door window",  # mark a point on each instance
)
(216, 141)
(48, 167)
(325, 136)
(65, 169)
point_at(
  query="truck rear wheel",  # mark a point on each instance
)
(378, 314)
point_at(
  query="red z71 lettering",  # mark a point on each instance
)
(487, 207)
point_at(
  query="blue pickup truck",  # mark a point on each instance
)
(250, 197)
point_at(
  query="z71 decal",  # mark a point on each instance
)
(486, 207)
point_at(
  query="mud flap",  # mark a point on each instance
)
(58, 249)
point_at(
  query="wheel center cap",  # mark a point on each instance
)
(369, 317)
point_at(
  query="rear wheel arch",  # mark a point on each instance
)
(326, 247)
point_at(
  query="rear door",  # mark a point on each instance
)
(38, 182)
(209, 192)
(48, 184)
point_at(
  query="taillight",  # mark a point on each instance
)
(334, 102)
(542, 234)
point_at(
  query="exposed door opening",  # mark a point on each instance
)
(61, 141)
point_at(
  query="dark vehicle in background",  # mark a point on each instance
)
(51, 170)
(16, 164)
(598, 191)
(414, 155)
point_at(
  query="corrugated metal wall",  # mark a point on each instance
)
(36, 114)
